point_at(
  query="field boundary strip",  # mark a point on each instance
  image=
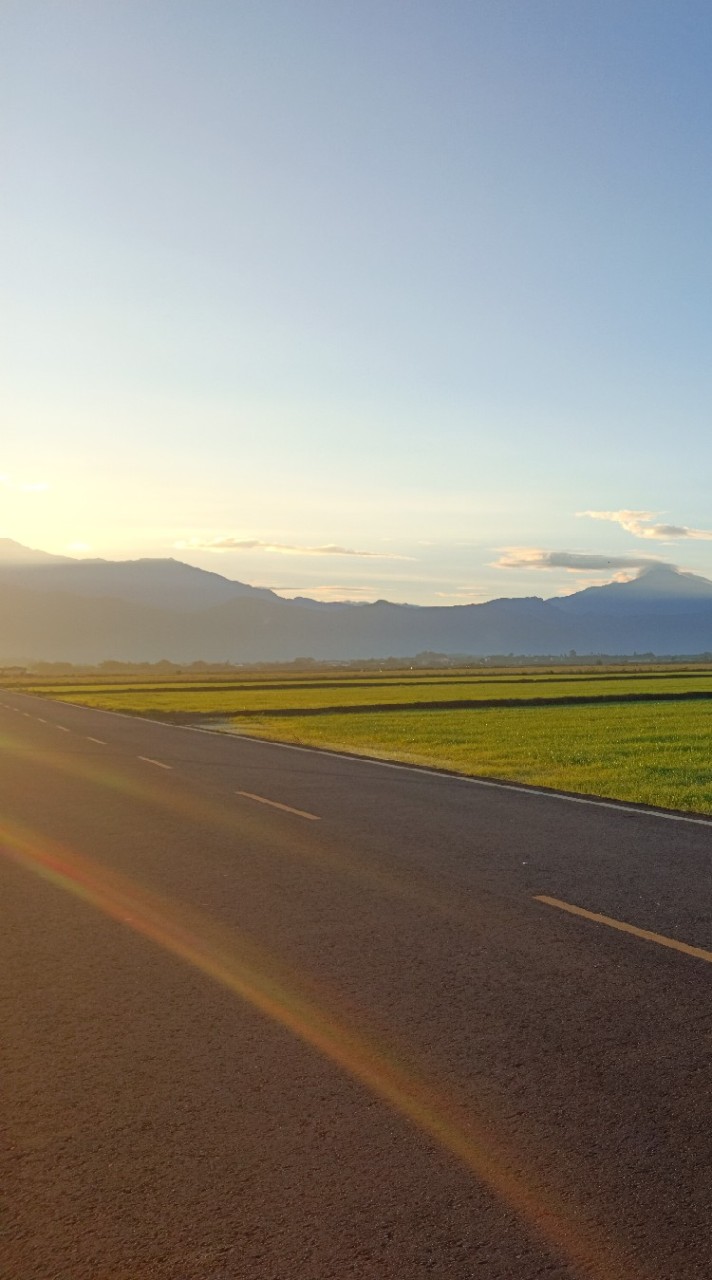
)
(177, 716)
(452, 704)
(120, 689)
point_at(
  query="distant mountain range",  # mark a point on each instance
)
(55, 608)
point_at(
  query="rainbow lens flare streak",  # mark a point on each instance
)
(232, 960)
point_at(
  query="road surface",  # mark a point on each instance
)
(274, 1014)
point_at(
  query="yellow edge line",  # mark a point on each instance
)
(647, 935)
(275, 804)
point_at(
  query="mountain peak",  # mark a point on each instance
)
(665, 578)
(657, 586)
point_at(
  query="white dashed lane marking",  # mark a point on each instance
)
(647, 935)
(275, 804)
(158, 763)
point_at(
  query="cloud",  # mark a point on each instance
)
(282, 548)
(642, 525)
(535, 558)
(465, 595)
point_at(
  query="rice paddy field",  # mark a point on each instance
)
(642, 735)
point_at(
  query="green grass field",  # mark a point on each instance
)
(657, 751)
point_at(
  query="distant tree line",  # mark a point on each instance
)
(425, 661)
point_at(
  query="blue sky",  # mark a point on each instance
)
(369, 293)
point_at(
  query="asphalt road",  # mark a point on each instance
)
(343, 1037)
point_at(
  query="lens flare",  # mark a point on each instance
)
(233, 960)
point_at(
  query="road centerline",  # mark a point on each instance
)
(275, 804)
(647, 935)
(159, 763)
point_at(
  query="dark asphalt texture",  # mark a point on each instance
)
(550, 1115)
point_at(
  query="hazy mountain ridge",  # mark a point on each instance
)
(144, 610)
(157, 582)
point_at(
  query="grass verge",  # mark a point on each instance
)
(650, 753)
